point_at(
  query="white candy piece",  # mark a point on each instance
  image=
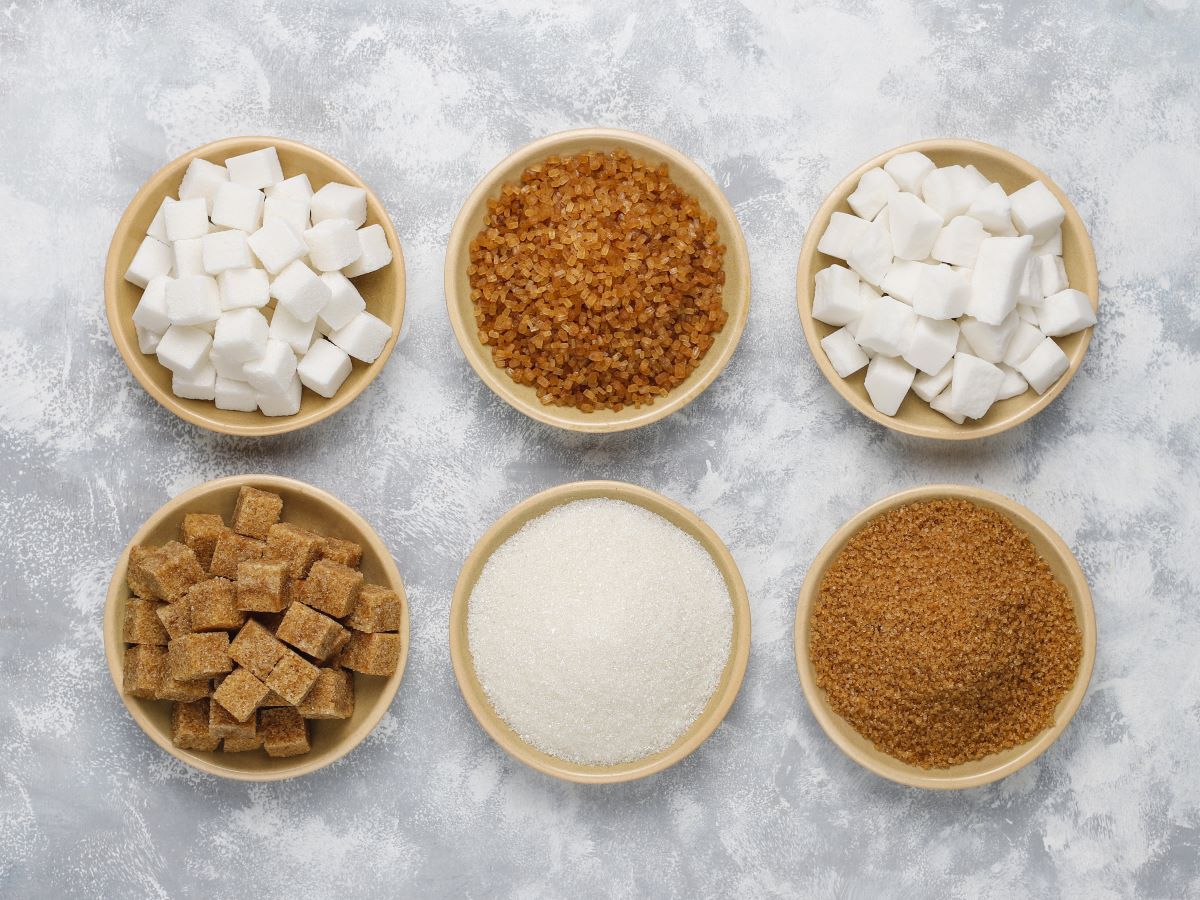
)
(974, 385)
(909, 169)
(243, 288)
(1029, 293)
(872, 193)
(297, 188)
(147, 340)
(300, 291)
(193, 300)
(872, 254)
(887, 383)
(932, 346)
(152, 259)
(332, 244)
(958, 243)
(277, 245)
(257, 169)
(1013, 385)
(1024, 341)
(273, 371)
(290, 210)
(241, 335)
(184, 349)
(990, 342)
(1065, 313)
(929, 386)
(1044, 366)
(886, 327)
(223, 250)
(237, 395)
(282, 403)
(914, 226)
(186, 219)
(287, 328)
(941, 293)
(992, 209)
(996, 278)
(365, 337)
(158, 225)
(339, 201)
(345, 302)
(202, 179)
(151, 312)
(238, 206)
(1036, 211)
(841, 234)
(1052, 245)
(200, 384)
(836, 298)
(902, 279)
(949, 191)
(942, 403)
(376, 253)
(844, 354)
(189, 257)
(1053, 274)
(324, 368)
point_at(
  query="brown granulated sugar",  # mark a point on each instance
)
(597, 281)
(942, 636)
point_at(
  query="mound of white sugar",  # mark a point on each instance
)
(599, 631)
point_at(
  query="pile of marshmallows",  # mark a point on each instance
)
(954, 288)
(239, 236)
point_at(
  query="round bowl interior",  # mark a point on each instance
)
(1066, 569)
(464, 670)
(685, 173)
(383, 290)
(307, 507)
(915, 416)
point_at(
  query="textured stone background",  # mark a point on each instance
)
(777, 101)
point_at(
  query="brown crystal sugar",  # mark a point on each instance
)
(942, 636)
(597, 281)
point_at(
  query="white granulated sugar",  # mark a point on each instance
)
(599, 631)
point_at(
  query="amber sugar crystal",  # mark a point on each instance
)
(942, 636)
(597, 281)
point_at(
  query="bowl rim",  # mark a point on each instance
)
(876, 761)
(114, 277)
(472, 691)
(807, 268)
(117, 590)
(713, 200)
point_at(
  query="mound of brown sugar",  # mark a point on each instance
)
(941, 635)
(597, 281)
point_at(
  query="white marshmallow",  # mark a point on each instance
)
(241, 335)
(1065, 313)
(1052, 245)
(257, 169)
(297, 189)
(364, 337)
(290, 210)
(1053, 275)
(902, 279)
(949, 191)
(332, 244)
(202, 179)
(237, 395)
(958, 243)
(1024, 341)
(941, 293)
(841, 234)
(1027, 313)
(223, 250)
(186, 219)
(1036, 211)
(929, 386)
(184, 349)
(193, 300)
(324, 368)
(872, 193)
(189, 257)
(909, 170)
(238, 206)
(152, 258)
(287, 328)
(158, 225)
(996, 278)
(1029, 293)
(844, 354)
(1044, 366)
(872, 254)
(243, 288)
(345, 302)
(990, 342)
(197, 385)
(887, 383)
(147, 340)
(886, 327)
(992, 209)
(974, 385)
(339, 201)
(942, 403)
(277, 245)
(282, 403)
(300, 291)
(273, 371)
(836, 298)
(932, 346)
(151, 311)
(1013, 385)
(376, 252)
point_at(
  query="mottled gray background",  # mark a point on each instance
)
(777, 101)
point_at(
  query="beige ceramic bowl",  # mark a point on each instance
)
(464, 670)
(685, 173)
(914, 415)
(383, 289)
(307, 507)
(991, 768)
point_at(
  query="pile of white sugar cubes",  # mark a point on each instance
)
(952, 288)
(240, 237)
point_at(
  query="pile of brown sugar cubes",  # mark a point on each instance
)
(252, 630)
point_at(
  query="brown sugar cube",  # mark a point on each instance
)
(270, 621)
(240, 694)
(232, 549)
(212, 606)
(242, 745)
(262, 585)
(194, 656)
(172, 570)
(284, 732)
(295, 546)
(293, 677)
(200, 532)
(145, 665)
(377, 609)
(176, 618)
(189, 726)
(273, 699)
(371, 654)
(256, 649)
(171, 688)
(135, 572)
(344, 553)
(331, 588)
(142, 624)
(309, 631)
(332, 697)
(256, 511)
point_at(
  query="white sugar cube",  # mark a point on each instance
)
(238, 206)
(886, 327)
(958, 243)
(300, 291)
(277, 245)
(287, 328)
(1013, 385)
(152, 258)
(332, 244)
(290, 210)
(933, 344)
(1024, 341)
(244, 288)
(990, 342)
(1052, 245)
(236, 395)
(184, 349)
(882, 218)
(323, 368)
(872, 254)
(241, 335)
(841, 234)
(1036, 211)
(376, 253)
(227, 368)
(1044, 366)
(1065, 313)
(345, 302)
(158, 225)
(1029, 291)
(196, 385)
(929, 386)
(188, 257)
(297, 188)
(914, 226)
(339, 201)
(193, 300)
(364, 337)
(147, 340)
(186, 219)
(949, 191)
(273, 371)
(964, 346)
(941, 293)
(991, 208)
(996, 279)
(1053, 275)
(902, 279)
(973, 181)
(844, 354)
(974, 385)
(202, 179)
(836, 298)
(909, 170)
(226, 250)
(1027, 313)
(887, 383)
(151, 311)
(257, 169)
(942, 403)
(872, 193)
(282, 403)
